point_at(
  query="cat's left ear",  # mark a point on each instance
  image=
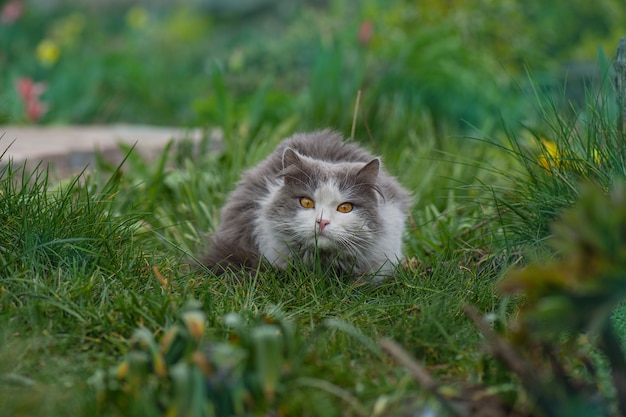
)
(369, 173)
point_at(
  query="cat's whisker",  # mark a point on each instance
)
(354, 242)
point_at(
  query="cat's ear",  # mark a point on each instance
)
(293, 170)
(369, 173)
(290, 157)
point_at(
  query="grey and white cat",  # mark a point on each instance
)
(316, 197)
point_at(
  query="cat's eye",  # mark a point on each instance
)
(306, 202)
(345, 207)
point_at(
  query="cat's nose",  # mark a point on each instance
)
(323, 223)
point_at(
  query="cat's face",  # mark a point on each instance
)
(325, 206)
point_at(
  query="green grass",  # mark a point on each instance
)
(86, 262)
(81, 262)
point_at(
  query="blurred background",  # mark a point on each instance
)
(436, 67)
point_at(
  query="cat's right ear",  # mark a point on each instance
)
(290, 157)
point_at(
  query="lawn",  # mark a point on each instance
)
(510, 299)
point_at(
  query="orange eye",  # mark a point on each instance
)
(344, 207)
(306, 202)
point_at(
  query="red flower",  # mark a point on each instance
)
(11, 11)
(30, 93)
(366, 31)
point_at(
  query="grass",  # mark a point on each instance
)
(98, 272)
(86, 261)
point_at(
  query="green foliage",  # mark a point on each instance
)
(66, 252)
(92, 63)
(578, 291)
(87, 262)
(141, 277)
(576, 294)
(554, 157)
(431, 66)
(49, 228)
(179, 376)
(562, 352)
(257, 369)
(444, 60)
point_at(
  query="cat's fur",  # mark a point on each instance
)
(264, 223)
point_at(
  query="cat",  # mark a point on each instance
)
(316, 197)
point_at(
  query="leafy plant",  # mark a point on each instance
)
(553, 159)
(576, 294)
(178, 376)
(563, 346)
(581, 290)
(255, 371)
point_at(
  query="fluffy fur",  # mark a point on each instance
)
(264, 221)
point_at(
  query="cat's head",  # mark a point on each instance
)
(331, 207)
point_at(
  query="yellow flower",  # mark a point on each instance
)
(137, 17)
(550, 154)
(48, 52)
